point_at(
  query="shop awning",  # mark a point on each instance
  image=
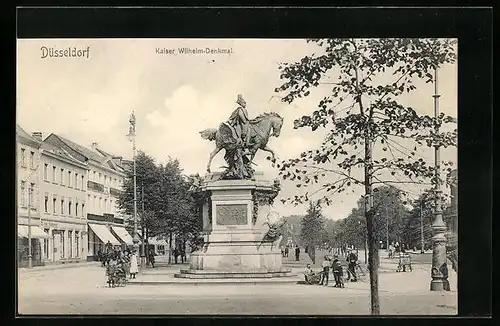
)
(36, 232)
(123, 234)
(104, 234)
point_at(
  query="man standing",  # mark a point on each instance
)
(326, 271)
(176, 254)
(352, 260)
(286, 251)
(337, 272)
(297, 253)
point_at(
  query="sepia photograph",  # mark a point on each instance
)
(232, 176)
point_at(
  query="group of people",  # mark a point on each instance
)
(120, 264)
(396, 248)
(179, 252)
(335, 264)
(285, 250)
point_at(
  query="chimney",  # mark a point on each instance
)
(37, 135)
(94, 145)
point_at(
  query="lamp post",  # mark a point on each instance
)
(131, 137)
(439, 269)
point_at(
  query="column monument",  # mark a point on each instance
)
(241, 232)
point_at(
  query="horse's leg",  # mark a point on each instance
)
(267, 149)
(212, 155)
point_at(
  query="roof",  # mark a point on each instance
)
(98, 155)
(23, 135)
(58, 151)
(83, 150)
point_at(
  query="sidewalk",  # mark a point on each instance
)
(58, 266)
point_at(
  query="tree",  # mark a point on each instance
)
(169, 210)
(147, 174)
(176, 211)
(390, 214)
(356, 65)
(312, 228)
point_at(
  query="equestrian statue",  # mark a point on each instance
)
(241, 138)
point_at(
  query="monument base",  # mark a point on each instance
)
(234, 216)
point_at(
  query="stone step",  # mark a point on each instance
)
(233, 272)
(190, 281)
(222, 275)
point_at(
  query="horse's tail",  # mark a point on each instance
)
(209, 134)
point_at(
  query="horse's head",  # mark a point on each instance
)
(277, 123)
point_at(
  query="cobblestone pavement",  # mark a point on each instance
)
(83, 290)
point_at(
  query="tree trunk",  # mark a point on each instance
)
(373, 262)
(170, 248)
(366, 249)
(146, 247)
(369, 212)
(143, 240)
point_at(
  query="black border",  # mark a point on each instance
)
(472, 26)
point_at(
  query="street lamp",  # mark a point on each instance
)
(439, 270)
(131, 137)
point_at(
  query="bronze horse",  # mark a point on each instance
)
(260, 131)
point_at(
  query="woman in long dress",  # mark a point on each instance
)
(134, 269)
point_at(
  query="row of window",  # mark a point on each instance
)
(101, 204)
(65, 178)
(23, 158)
(27, 194)
(70, 179)
(104, 179)
(63, 207)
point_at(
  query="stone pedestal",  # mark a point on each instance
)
(234, 213)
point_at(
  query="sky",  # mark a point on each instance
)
(174, 96)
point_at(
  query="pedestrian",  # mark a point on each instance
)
(176, 254)
(183, 255)
(282, 252)
(111, 272)
(326, 271)
(286, 251)
(337, 272)
(134, 269)
(152, 257)
(352, 260)
(126, 264)
(297, 253)
(309, 275)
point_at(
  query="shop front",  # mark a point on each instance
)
(123, 236)
(99, 236)
(66, 242)
(37, 236)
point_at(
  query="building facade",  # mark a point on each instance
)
(105, 177)
(63, 188)
(28, 194)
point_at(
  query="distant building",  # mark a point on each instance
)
(105, 178)
(28, 194)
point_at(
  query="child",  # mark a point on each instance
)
(111, 272)
(337, 272)
(326, 271)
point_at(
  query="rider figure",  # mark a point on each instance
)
(239, 118)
